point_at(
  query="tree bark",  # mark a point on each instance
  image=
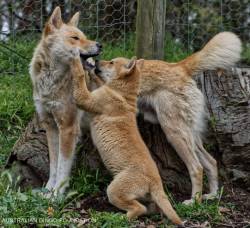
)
(228, 102)
(229, 107)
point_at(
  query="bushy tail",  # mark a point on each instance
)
(159, 197)
(221, 52)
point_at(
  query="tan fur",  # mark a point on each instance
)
(168, 95)
(114, 132)
(52, 92)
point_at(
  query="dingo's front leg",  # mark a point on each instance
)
(53, 144)
(68, 125)
(62, 130)
(67, 140)
(50, 126)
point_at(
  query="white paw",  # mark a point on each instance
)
(51, 184)
(188, 202)
(52, 195)
(47, 195)
(210, 196)
(43, 192)
(60, 187)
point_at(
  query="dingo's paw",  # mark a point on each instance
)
(188, 202)
(210, 196)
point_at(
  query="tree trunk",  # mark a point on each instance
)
(150, 29)
(228, 104)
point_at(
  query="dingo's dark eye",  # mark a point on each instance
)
(111, 62)
(75, 37)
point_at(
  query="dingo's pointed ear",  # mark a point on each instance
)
(75, 19)
(56, 18)
(129, 68)
(54, 22)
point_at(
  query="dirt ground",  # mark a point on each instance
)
(236, 216)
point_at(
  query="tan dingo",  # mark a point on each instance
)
(114, 132)
(169, 96)
(52, 92)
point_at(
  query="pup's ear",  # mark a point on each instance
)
(75, 19)
(140, 63)
(128, 68)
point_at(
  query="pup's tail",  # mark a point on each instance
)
(159, 197)
(221, 52)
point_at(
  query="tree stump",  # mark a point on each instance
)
(228, 102)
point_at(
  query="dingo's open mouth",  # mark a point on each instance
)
(88, 62)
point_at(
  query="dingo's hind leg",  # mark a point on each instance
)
(123, 192)
(210, 166)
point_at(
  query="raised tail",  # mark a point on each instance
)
(160, 198)
(221, 52)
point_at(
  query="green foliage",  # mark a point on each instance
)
(15, 55)
(194, 213)
(120, 50)
(86, 181)
(16, 104)
(31, 205)
(108, 220)
(174, 51)
(246, 54)
(16, 109)
(200, 212)
(212, 122)
(208, 210)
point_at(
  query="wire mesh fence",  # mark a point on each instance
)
(194, 22)
(189, 24)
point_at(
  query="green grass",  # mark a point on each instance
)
(109, 220)
(15, 55)
(110, 51)
(87, 181)
(16, 109)
(30, 206)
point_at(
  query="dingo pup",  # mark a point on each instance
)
(115, 134)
